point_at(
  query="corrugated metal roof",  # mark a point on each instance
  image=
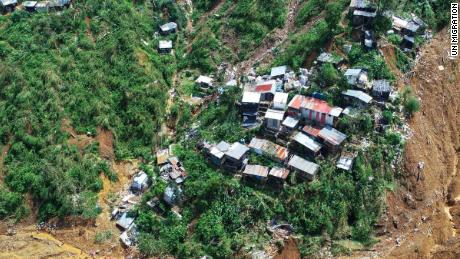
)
(310, 103)
(275, 150)
(237, 150)
(290, 122)
(257, 143)
(332, 135)
(345, 162)
(140, 178)
(274, 114)
(364, 13)
(303, 165)
(256, 170)
(8, 2)
(165, 44)
(29, 4)
(279, 172)
(278, 71)
(307, 142)
(359, 95)
(311, 131)
(381, 86)
(281, 98)
(353, 72)
(223, 146)
(326, 57)
(251, 97)
(168, 26)
(125, 221)
(162, 156)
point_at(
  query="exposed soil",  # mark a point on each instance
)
(80, 140)
(389, 55)
(422, 218)
(289, 251)
(105, 139)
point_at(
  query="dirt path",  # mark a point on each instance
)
(423, 217)
(105, 139)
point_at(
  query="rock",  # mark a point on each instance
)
(409, 200)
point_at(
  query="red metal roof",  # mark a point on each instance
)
(314, 132)
(310, 103)
(264, 88)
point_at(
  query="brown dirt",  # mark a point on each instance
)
(88, 28)
(390, 58)
(105, 139)
(289, 251)
(80, 140)
(424, 213)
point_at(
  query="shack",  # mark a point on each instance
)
(29, 5)
(368, 40)
(250, 108)
(363, 5)
(278, 72)
(8, 6)
(333, 59)
(60, 4)
(345, 162)
(269, 149)
(290, 123)
(216, 153)
(273, 119)
(304, 168)
(407, 43)
(357, 98)
(408, 27)
(162, 156)
(235, 157)
(267, 90)
(43, 6)
(172, 195)
(168, 28)
(381, 89)
(312, 132)
(140, 182)
(129, 236)
(357, 77)
(303, 144)
(332, 139)
(280, 101)
(277, 176)
(125, 221)
(363, 18)
(165, 46)
(314, 110)
(255, 172)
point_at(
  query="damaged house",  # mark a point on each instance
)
(125, 221)
(304, 168)
(172, 195)
(278, 72)
(168, 28)
(8, 6)
(204, 82)
(333, 59)
(357, 77)
(140, 182)
(357, 98)
(345, 162)
(381, 89)
(314, 110)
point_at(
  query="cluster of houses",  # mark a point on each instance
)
(166, 46)
(34, 6)
(172, 172)
(363, 14)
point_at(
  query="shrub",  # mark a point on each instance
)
(411, 105)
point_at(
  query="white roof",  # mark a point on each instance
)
(257, 143)
(359, 95)
(8, 2)
(140, 178)
(256, 170)
(304, 165)
(165, 44)
(290, 122)
(278, 71)
(353, 72)
(232, 83)
(204, 79)
(336, 111)
(237, 150)
(274, 115)
(307, 142)
(251, 97)
(281, 97)
(168, 26)
(345, 163)
(30, 3)
(43, 4)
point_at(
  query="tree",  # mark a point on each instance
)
(412, 105)
(333, 15)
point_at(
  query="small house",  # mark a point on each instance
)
(266, 89)
(140, 182)
(381, 89)
(125, 221)
(165, 46)
(43, 6)
(129, 236)
(408, 27)
(306, 145)
(277, 176)
(280, 101)
(363, 5)
(313, 110)
(60, 4)
(332, 139)
(273, 119)
(357, 77)
(368, 40)
(172, 195)
(363, 18)
(168, 28)
(256, 172)
(204, 81)
(216, 153)
(407, 43)
(345, 162)
(235, 157)
(269, 149)
(304, 168)
(290, 123)
(8, 6)
(357, 98)
(333, 59)
(312, 132)
(278, 72)
(250, 108)
(29, 5)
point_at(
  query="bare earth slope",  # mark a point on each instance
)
(422, 219)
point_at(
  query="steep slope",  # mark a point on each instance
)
(422, 216)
